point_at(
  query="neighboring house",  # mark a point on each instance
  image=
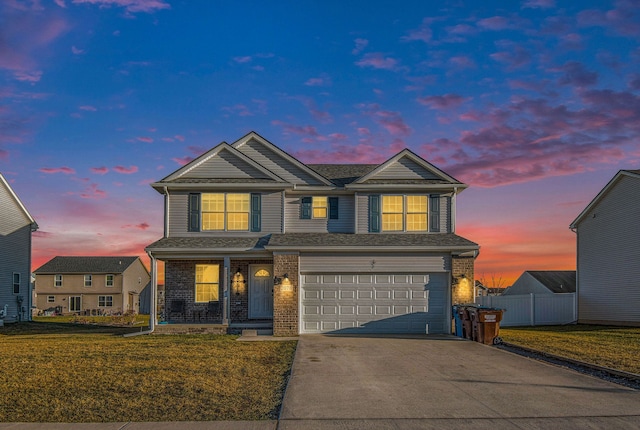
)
(91, 285)
(543, 282)
(16, 227)
(254, 235)
(608, 233)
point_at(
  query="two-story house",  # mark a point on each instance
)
(253, 234)
(91, 285)
(608, 255)
(16, 227)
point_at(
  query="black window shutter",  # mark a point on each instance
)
(256, 212)
(333, 207)
(374, 213)
(194, 212)
(305, 207)
(434, 213)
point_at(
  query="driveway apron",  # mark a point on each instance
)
(439, 377)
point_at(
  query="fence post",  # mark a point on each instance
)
(532, 308)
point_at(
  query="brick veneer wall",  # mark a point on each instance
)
(462, 288)
(180, 281)
(285, 304)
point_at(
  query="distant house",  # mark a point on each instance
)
(16, 226)
(543, 282)
(91, 285)
(608, 248)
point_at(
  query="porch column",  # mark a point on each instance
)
(226, 280)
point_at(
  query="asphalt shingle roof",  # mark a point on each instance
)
(558, 281)
(86, 265)
(342, 174)
(303, 240)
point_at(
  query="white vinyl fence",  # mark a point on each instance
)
(533, 309)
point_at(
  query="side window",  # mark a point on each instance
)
(57, 280)
(109, 280)
(88, 280)
(16, 283)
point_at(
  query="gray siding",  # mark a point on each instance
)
(609, 257)
(526, 284)
(344, 223)
(405, 168)
(276, 164)
(16, 261)
(374, 263)
(362, 203)
(178, 215)
(225, 166)
(12, 217)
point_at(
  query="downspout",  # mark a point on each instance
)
(166, 212)
(154, 299)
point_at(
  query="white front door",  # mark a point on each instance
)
(261, 291)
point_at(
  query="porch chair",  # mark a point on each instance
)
(177, 307)
(213, 309)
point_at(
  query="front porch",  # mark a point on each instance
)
(260, 327)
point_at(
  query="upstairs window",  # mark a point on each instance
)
(404, 213)
(109, 280)
(57, 281)
(88, 280)
(319, 207)
(224, 212)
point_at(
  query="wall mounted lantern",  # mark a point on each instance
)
(238, 283)
(285, 283)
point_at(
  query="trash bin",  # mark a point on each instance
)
(467, 327)
(457, 318)
(489, 325)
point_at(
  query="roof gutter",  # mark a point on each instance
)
(154, 299)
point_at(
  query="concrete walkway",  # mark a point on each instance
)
(423, 382)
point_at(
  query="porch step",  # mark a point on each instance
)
(257, 332)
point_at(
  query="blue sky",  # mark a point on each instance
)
(535, 104)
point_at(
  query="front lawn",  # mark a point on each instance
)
(54, 372)
(613, 347)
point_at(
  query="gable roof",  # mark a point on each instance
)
(86, 265)
(244, 144)
(557, 281)
(407, 168)
(221, 164)
(612, 183)
(10, 213)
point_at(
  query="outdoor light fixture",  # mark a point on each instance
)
(238, 282)
(286, 286)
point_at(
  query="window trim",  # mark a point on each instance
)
(51, 299)
(315, 206)
(106, 280)
(88, 279)
(16, 278)
(196, 283)
(377, 213)
(225, 213)
(55, 281)
(105, 301)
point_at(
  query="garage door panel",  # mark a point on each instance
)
(374, 303)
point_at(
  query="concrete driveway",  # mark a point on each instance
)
(442, 382)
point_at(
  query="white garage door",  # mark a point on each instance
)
(374, 303)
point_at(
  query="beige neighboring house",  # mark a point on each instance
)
(91, 285)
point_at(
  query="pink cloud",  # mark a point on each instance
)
(197, 150)
(575, 74)
(88, 108)
(77, 51)
(462, 62)
(141, 226)
(4, 155)
(238, 109)
(361, 44)
(51, 170)
(323, 81)
(28, 76)
(444, 102)
(145, 139)
(339, 153)
(99, 170)
(539, 4)
(179, 137)
(125, 170)
(391, 121)
(183, 160)
(494, 23)
(133, 6)
(377, 60)
(423, 34)
(93, 192)
(515, 57)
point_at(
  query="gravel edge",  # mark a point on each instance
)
(630, 380)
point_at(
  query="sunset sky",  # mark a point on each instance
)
(535, 104)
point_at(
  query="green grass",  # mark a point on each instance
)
(613, 347)
(56, 372)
